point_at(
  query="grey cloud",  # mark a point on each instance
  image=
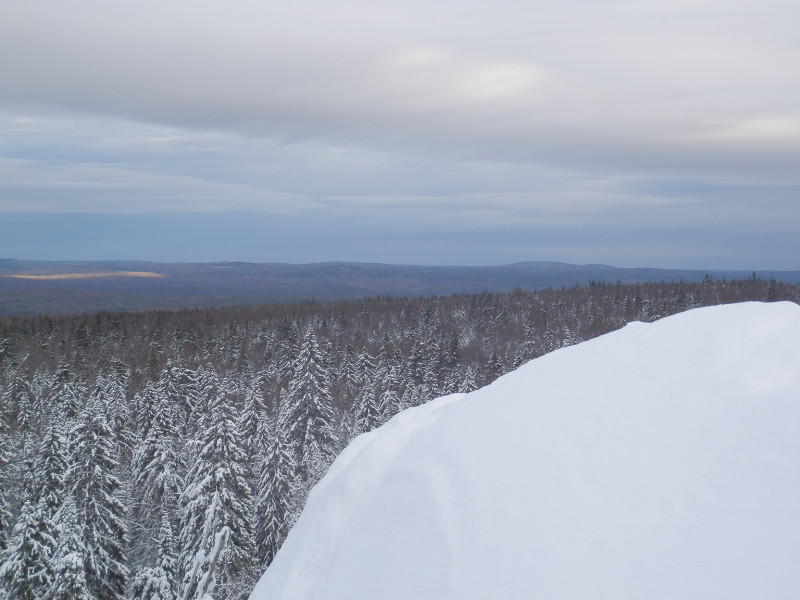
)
(104, 166)
(589, 85)
(609, 131)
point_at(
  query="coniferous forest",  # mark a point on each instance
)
(146, 454)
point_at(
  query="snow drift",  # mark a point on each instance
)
(658, 461)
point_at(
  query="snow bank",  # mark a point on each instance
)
(658, 461)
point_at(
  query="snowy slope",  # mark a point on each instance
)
(656, 462)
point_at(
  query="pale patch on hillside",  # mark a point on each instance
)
(103, 275)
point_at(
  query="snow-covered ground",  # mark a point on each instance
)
(656, 462)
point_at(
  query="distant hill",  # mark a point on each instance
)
(63, 287)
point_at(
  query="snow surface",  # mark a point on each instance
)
(658, 461)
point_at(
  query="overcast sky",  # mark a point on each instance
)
(628, 132)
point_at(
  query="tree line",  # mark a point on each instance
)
(135, 447)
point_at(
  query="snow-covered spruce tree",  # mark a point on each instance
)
(286, 351)
(412, 396)
(178, 386)
(113, 386)
(19, 399)
(99, 512)
(208, 385)
(309, 407)
(493, 369)
(253, 420)
(25, 573)
(50, 467)
(27, 567)
(389, 403)
(452, 380)
(67, 394)
(69, 562)
(468, 383)
(190, 394)
(161, 581)
(365, 369)
(347, 369)
(240, 380)
(430, 382)
(368, 411)
(217, 495)
(156, 476)
(6, 458)
(157, 465)
(275, 506)
(145, 403)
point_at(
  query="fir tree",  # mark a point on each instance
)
(310, 414)
(252, 420)
(390, 400)
(6, 459)
(347, 371)
(113, 387)
(452, 354)
(430, 382)
(160, 582)
(217, 495)
(27, 563)
(67, 394)
(49, 469)
(494, 368)
(452, 380)
(170, 393)
(69, 563)
(100, 514)
(26, 570)
(368, 411)
(365, 368)
(189, 395)
(20, 401)
(287, 353)
(413, 396)
(156, 465)
(275, 506)
(468, 382)
(145, 404)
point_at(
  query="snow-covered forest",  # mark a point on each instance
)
(650, 463)
(129, 442)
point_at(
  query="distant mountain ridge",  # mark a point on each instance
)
(59, 287)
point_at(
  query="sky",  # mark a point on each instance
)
(631, 133)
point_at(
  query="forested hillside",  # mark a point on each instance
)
(130, 441)
(70, 287)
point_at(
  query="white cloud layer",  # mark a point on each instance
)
(583, 82)
(496, 114)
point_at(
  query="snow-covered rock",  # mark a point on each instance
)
(656, 462)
